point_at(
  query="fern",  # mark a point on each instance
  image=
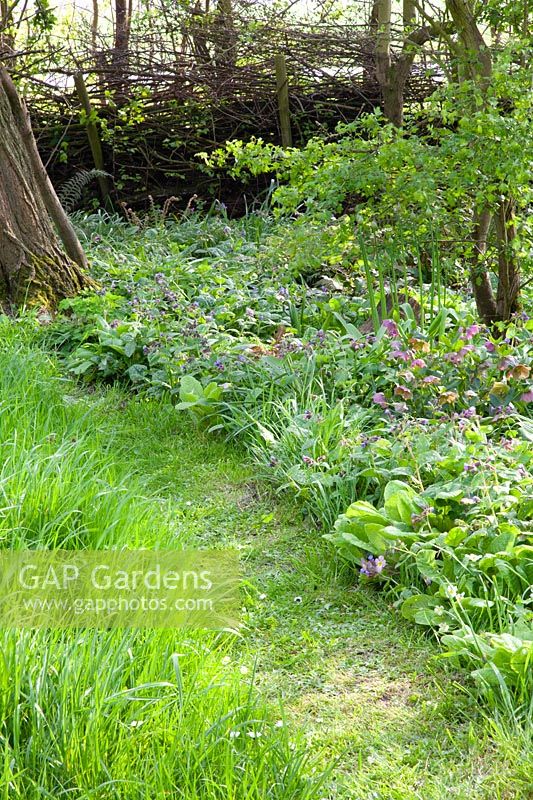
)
(71, 191)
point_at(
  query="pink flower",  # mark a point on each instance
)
(527, 397)
(506, 361)
(400, 408)
(401, 354)
(418, 363)
(490, 346)
(431, 379)
(458, 357)
(472, 331)
(380, 400)
(390, 326)
(396, 352)
(454, 358)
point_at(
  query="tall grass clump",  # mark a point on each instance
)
(114, 714)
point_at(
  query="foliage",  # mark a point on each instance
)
(71, 192)
(420, 429)
(425, 185)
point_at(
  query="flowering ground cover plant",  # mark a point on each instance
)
(407, 441)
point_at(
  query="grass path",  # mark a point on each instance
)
(362, 690)
(366, 689)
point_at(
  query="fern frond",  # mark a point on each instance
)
(71, 191)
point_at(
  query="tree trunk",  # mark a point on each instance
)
(122, 28)
(225, 34)
(393, 72)
(121, 44)
(479, 275)
(477, 60)
(508, 268)
(34, 269)
(393, 98)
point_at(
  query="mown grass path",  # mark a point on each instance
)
(365, 689)
(105, 715)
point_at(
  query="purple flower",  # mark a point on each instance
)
(219, 364)
(472, 466)
(505, 362)
(419, 363)
(402, 355)
(371, 566)
(400, 408)
(490, 346)
(500, 412)
(380, 564)
(308, 414)
(527, 397)
(472, 331)
(380, 399)
(459, 356)
(391, 327)
(431, 379)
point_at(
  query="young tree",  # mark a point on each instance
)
(34, 268)
(123, 14)
(477, 65)
(393, 69)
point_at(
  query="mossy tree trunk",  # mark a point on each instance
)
(35, 268)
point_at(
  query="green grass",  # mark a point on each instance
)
(369, 694)
(118, 715)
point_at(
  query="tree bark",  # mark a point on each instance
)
(225, 34)
(121, 44)
(122, 27)
(508, 268)
(393, 73)
(479, 275)
(34, 269)
(476, 53)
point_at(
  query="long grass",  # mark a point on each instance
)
(114, 714)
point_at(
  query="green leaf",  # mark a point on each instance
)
(455, 536)
(416, 603)
(426, 565)
(365, 512)
(130, 348)
(190, 389)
